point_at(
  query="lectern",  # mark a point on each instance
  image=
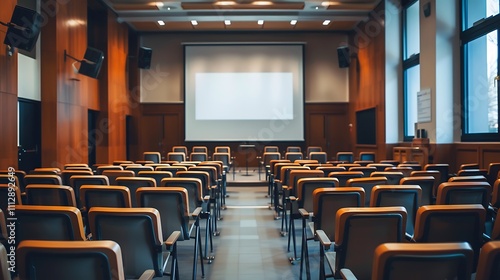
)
(246, 148)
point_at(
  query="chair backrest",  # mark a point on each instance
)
(326, 203)
(292, 149)
(413, 166)
(77, 181)
(271, 149)
(493, 169)
(67, 173)
(173, 206)
(177, 156)
(285, 173)
(392, 162)
(464, 193)
(473, 172)
(316, 165)
(50, 195)
(193, 186)
(427, 185)
(434, 173)
(344, 176)
(360, 230)
(468, 166)
(327, 168)
(42, 179)
(443, 168)
(293, 156)
(211, 170)
(133, 183)
(367, 184)
(198, 156)
(78, 260)
(398, 195)
(35, 222)
(12, 180)
(113, 174)
(155, 157)
(368, 156)
(394, 261)
(157, 175)
(268, 156)
(367, 170)
(137, 231)
(122, 162)
(347, 157)
(199, 149)
(393, 178)
(488, 266)
(101, 168)
(495, 194)
(321, 157)
(223, 149)
(311, 149)
(4, 235)
(471, 178)
(306, 186)
(451, 223)
(48, 170)
(180, 149)
(224, 157)
(105, 196)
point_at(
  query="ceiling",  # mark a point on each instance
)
(177, 15)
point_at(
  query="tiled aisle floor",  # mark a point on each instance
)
(250, 245)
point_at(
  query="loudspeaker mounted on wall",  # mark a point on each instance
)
(427, 9)
(343, 55)
(23, 28)
(91, 63)
(144, 58)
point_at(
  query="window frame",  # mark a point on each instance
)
(478, 30)
(407, 64)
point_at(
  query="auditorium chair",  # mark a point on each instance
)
(345, 157)
(155, 157)
(367, 170)
(101, 168)
(50, 195)
(76, 260)
(438, 261)
(139, 233)
(113, 174)
(104, 196)
(42, 179)
(311, 149)
(393, 178)
(176, 156)
(380, 166)
(157, 175)
(199, 149)
(443, 168)
(407, 196)
(8, 200)
(198, 156)
(367, 156)
(426, 183)
(493, 169)
(344, 176)
(464, 193)
(358, 232)
(133, 183)
(139, 168)
(488, 266)
(321, 157)
(67, 173)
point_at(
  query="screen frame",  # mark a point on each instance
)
(303, 62)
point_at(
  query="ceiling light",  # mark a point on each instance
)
(227, 22)
(194, 22)
(260, 22)
(168, 8)
(293, 22)
(161, 22)
(326, 22)
(225, 3)
(262, 3)
(159, 5)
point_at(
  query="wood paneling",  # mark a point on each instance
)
(481, 153)
(367, 79)
(8, 95)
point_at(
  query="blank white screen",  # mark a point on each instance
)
(244, 93)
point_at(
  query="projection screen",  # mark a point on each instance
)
(242, 92)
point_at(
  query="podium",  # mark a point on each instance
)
(246, 148)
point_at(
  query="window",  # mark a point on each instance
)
(411, 65)
(480, 64)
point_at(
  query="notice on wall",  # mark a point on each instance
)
(424, 106)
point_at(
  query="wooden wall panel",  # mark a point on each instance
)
(367, 79)
(8, 95)
(481, 153)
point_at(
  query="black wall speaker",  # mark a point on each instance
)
(24, 28)
(343, 54)
(91, 63)
(144, 57)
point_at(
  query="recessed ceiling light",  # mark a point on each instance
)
(194, 22)
(326, 22)
(262, 3)
(260, 22)
(225, 3)
(293, 22)
(227, 22)
(168, 8)
(161, 22)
